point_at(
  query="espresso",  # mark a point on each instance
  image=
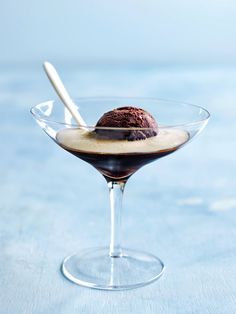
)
(118, 159)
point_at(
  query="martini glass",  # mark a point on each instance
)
(114, 267)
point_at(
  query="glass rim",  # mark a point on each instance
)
(93, 127)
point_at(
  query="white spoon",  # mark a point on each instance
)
(62, 92)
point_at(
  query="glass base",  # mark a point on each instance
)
(95, 268)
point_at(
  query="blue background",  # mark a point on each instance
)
(129, 30)
(181, 208)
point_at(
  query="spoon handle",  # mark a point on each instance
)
(62, 92)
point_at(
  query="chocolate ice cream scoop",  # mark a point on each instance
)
(127, 117)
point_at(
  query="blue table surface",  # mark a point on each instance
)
(181, 208)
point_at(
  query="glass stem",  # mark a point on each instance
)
(116, 190)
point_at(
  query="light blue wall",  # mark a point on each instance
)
(126, 30)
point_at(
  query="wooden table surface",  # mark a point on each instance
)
(181, 208)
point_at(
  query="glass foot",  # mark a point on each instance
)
(95, 268)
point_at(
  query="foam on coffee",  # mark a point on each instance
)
(77, 139)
